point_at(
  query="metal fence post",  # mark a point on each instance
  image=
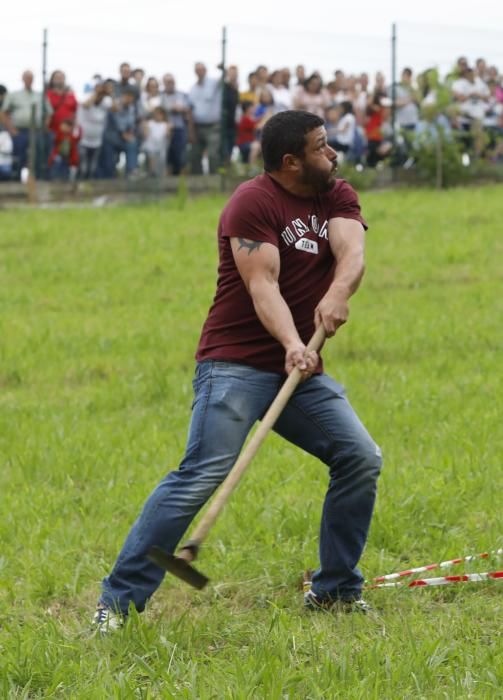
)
(43, 136)
(32, 157)
(393, 99)
(223, 114)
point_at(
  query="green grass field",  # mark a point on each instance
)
(100, 315)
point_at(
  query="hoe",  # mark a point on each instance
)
(181, 564)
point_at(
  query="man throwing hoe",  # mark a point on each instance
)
(291, 254)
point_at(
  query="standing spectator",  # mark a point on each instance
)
(156, 140)
(63, 101)
(431, 93)
(406, 99)
(361, 98)
(250, 95)
(3, 92)
(150, 98)
(126, 82)
(493, 120)
(91, 117)
(380, 87)
(138, 76)
(492, 76)
(352, 88)
(300, 75)
(339, 87)
(481, 69)
(64, 105)
(471, 95)
(458, 70)
(205, 97)
(16, 118)
(281, 95)
(262, 74)
(312, 96)
(286, 76)
(120, 135)
(177, 107)
(230, 101)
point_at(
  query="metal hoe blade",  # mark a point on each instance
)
(178, 567)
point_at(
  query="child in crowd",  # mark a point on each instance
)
(341, 125)
(246, 130)
(263, 111)
(64, 156)
(157, 131)
(377, 112)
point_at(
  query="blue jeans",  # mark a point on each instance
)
(21, 148)
(229, 398)
(109, 156)
(177, 150)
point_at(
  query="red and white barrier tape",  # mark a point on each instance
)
(440, 580)
(441, 565)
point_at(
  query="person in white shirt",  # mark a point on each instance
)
(312, 96)
(91, 117)
(407, 110)
(205, 98)
(472, 95)
(282, 96)
(155, 145)
(340, 126)
(151, 97)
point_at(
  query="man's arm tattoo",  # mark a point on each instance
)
(250, 245)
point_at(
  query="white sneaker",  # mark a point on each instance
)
(312, 602)
(105, 620)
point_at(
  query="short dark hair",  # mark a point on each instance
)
(284, 133)
(347, 107)
(129, 90)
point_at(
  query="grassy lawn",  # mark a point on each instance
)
(100, 312)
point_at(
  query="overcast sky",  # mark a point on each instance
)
(169, 35)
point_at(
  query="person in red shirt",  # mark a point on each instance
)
(63, 101)
(64, 156)
(376, 114)
(246, 130)
(291, 254)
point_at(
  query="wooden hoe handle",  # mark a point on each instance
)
(189, 550)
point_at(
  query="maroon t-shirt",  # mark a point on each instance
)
(262, 210)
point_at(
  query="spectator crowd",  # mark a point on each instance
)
(145, 127)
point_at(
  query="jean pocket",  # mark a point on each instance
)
(201, 374)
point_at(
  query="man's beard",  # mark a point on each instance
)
(319, 181)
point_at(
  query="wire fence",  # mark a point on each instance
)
(324, 52)
(84, 53)
(423, 46)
